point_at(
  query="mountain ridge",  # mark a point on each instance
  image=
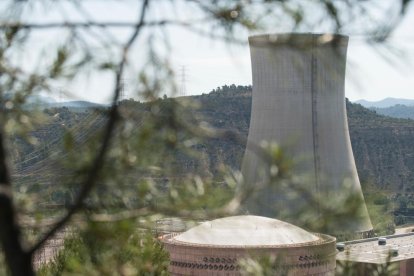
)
(387, 102)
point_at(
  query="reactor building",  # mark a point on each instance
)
(218, 247)
(298, 102)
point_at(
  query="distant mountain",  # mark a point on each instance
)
(396, 111)
(33, 101)
(39, 100)
(387, 102)
(75, 104)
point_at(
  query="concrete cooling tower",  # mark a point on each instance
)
(299, 102)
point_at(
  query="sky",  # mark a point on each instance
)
(212, 63)
(369, 76)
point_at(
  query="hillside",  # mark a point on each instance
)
(383, 149)
(383, 146)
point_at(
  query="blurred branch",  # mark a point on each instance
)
(123, 215)
(10, 235)
(99, 160)
(246, 191)
(90, 24)
(31, 223)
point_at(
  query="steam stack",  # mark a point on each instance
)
(299, 102)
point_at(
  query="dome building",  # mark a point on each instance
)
(216, 247)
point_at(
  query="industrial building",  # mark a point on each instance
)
(298, 102)
(216, 247)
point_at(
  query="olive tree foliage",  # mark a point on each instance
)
(110, 181)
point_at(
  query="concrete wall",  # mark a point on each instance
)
(407, 267)
(315, 258)
(298, 101)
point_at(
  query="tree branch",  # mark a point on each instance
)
(91, 24)
(10, 236)
(113, 117)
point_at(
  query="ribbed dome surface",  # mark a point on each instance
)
(246, 231)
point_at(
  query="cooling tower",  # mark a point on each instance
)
(299, 102)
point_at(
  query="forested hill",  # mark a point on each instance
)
(383, 146)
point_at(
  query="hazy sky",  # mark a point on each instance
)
(211, 63)
(369, 75)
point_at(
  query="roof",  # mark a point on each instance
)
(368, 250)
(246, 231)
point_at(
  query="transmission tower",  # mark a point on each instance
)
(60, 95)
(183, 80)
(122, 88)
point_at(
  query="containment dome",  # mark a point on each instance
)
(246, 231)
(218, 247)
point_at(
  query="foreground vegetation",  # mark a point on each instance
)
(132, 162)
